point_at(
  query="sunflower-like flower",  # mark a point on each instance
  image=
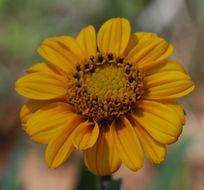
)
(111, 95)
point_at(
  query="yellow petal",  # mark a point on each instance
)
(114, 36)
(45, 122)
(25, 115)
(60, 147)
(169, 65)
(39, 67)
(149, 51)
(178, 110)
(167, 84)
(132, 43)
(102, 159)
(85, 135)
(154, 151)
(42, 86)
(61, 52)
(159, 120)
(87, 40)
(30, 107)
(127, 143)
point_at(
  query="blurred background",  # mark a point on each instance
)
(23, 26)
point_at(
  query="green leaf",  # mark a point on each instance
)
(172, 167)
(87, 180)
(115, 184)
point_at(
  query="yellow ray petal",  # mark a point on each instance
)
(61, 52)
(149, 51)
(169, 65)
(114, 35)
(164, 77)
(132, 43)
(42, 86)
(178, 110)
(102, 159)
(39, 67)
(44, 67)
(87, 40)
(167, 84)
(85, 135)
(30, 107)
(127, 143)
(45, 122)
(154, 151)
(60, 147)
(159, 120)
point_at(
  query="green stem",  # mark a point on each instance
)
(105, 182)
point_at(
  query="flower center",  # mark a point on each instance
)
(104, 87)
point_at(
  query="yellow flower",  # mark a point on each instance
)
(111, 95)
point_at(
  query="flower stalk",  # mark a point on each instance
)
(105, 182)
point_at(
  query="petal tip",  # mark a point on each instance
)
(114, 35)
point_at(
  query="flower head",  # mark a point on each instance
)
(111, 95)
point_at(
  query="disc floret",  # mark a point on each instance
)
(105, 86)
